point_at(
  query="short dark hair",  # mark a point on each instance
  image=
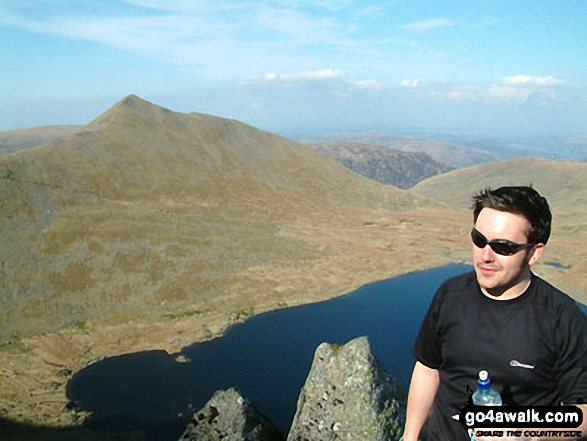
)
(524, 201)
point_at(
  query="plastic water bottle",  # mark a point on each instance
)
(485, 395)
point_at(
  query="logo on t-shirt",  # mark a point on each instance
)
(516, 363)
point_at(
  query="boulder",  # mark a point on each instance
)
(348, 395)
(230, 417)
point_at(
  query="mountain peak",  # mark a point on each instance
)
(130, 105)
(133, 101)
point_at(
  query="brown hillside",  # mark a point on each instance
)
(146, 209)
(137, 151)
(564, 183)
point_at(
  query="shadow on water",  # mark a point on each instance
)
(13, 431)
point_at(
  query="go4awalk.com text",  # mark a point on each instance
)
(530, 433)
(522, 421)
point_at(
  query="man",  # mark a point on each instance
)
(529, 336)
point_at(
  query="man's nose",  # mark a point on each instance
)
(487, 254)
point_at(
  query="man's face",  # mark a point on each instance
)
(500, 276)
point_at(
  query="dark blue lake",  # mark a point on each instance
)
(267, 358)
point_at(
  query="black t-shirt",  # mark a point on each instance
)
(534, 347)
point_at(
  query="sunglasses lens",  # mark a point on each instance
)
(504, 249)
(478, 239)
(501, 248)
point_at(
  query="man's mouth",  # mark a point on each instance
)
(487, 270)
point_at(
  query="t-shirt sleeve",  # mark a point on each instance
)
(427, 349)
(571, 339)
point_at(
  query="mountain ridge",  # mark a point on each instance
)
(231, 153)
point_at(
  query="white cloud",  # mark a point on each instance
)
(332, 5)
(369, 84)
(215, 39)
(425, 25)
(410, 83)
(460, 93)
(337, 75)
(504, 92)
(532, 81)
(189, 6)
(256, 105)
(322, 74)
(519, 88)
(301, 27)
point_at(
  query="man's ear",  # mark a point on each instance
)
(536, 253)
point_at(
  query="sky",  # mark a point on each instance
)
(296, 67)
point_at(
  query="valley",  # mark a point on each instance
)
(152, 229)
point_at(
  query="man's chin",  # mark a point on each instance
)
(488, 283)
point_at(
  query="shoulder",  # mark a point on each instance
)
(550, 296)
(555, 303)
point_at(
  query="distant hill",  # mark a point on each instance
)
(450, 153)
(564, 183)
(399, 168)
(14, 140)
(147, 210)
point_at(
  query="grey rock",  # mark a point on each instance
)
(230, 417)
(348, 396)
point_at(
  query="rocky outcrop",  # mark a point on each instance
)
(348, 396)
(230, 417)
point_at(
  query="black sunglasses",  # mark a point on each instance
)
(499, 246)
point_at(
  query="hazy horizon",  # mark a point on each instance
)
(502, 144)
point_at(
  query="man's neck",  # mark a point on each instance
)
(511, 292)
